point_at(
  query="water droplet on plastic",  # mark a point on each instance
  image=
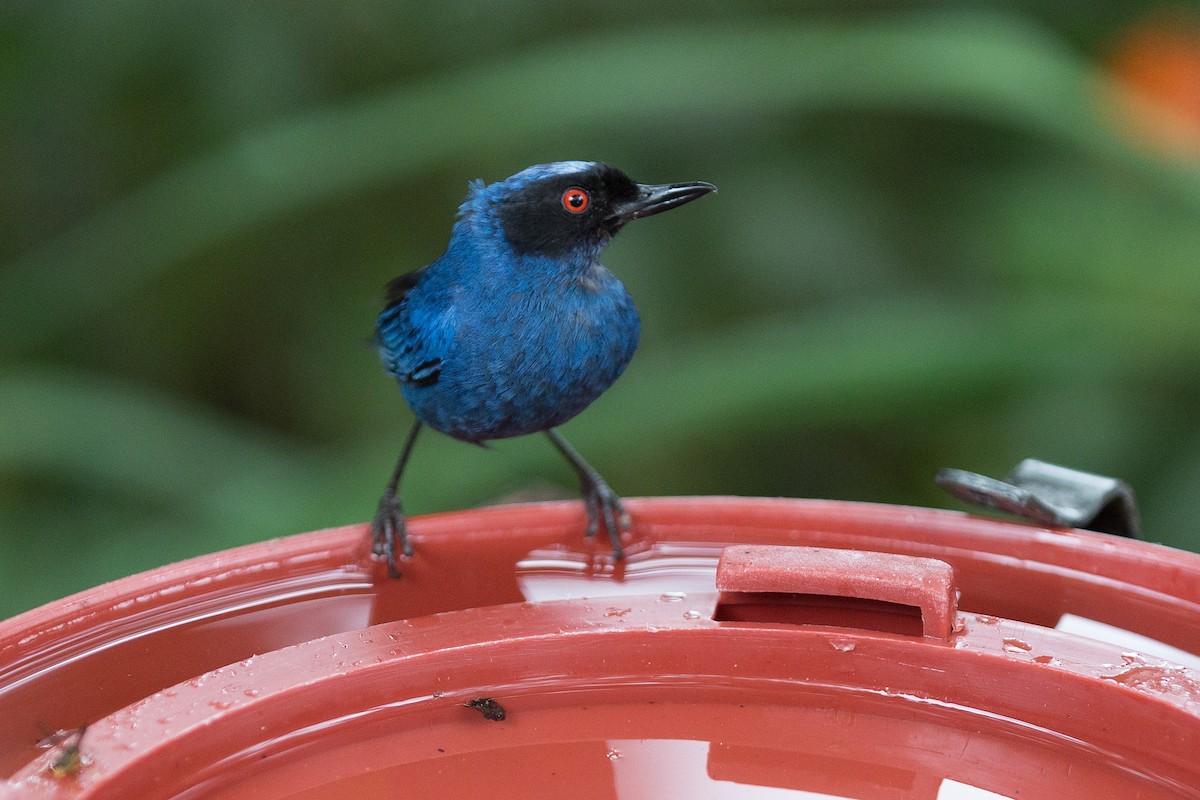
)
(1016, 646)
(613, 754)
(842, 645)
(613, 611)
(692, 614)
(672, 597)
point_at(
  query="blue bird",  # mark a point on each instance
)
(517, 327)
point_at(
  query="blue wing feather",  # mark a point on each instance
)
(408, 342)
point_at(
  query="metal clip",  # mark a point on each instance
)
(1051, 495)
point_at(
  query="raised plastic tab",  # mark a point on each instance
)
(885, 592)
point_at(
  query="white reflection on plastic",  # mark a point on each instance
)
(953, 790)
(674, 768)
(678, 768)
(1100, 631)
(552, 574)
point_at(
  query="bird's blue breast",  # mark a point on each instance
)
(517, 345)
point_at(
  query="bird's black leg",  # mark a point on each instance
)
(604, 507)
(389, 519)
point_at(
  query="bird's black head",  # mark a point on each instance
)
(556, 209)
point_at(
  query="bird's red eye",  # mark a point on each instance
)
(575, 200)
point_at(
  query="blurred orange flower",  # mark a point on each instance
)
(1156, 65)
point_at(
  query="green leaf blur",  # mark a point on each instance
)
(933, 246)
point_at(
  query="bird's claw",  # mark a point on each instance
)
(388, 526)
(605, 509)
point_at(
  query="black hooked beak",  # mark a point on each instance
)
(655, 199)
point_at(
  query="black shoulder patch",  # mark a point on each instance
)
(398, 288)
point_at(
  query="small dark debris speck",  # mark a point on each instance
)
(488, 707)
(70, 759)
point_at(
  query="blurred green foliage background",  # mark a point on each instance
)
(935, 244)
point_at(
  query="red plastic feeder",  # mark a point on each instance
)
(747, 648)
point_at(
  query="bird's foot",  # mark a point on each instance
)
(605, 509)
(388, 526)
